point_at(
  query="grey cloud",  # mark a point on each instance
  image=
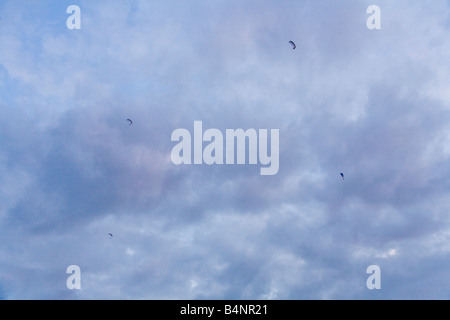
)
(369, 104)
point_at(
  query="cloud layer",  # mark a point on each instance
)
(370, 103)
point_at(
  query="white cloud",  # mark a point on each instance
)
(369, 104)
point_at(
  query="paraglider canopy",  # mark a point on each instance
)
(110, 235)
(131, 122)
(342, 175)
(293, 44)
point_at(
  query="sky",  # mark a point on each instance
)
(370, 103)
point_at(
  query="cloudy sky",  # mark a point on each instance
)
(373, 104)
